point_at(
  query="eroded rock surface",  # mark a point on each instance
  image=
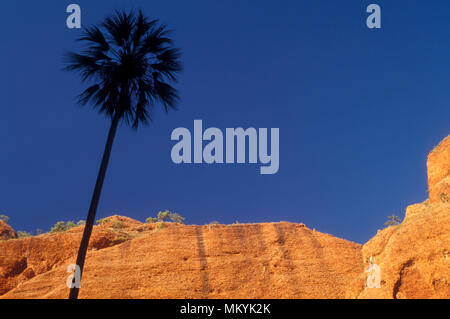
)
(273, 260)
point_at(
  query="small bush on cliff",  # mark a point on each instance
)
(23, 234)
(62, 226)
(4, 218)
(444, 198)
(393, 220)
(164, 216)
(58, 227)
(176, 218)
(151, 220)
(70, 224)
(81, 222)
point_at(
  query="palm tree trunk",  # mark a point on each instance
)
(94, 202)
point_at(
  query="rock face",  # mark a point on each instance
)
(24, 258)
(128, 259)
(273, 260)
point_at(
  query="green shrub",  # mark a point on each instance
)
(164, 216)
(4, 218)
(393, 220)
(151, 220)
(23, 234)
(176, 218)
(70, 224)
(62, 226)
(81, 222)
(58, 227)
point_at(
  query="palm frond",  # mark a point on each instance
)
(96, 37)
(120, 27)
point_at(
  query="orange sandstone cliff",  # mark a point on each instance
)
(273, 260)
(128, 259)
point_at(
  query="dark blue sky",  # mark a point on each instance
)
(358, 111)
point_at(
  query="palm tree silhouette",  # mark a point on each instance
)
(130, 62)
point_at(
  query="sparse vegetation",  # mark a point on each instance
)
(4, 218)
(70, 224)
(176, 218)
(151, 220)
(58, 227)
(62, 226)
(23, 234)
(81, 222)
(165, 216)
(393, 220)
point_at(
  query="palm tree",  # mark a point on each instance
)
(130, 63)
